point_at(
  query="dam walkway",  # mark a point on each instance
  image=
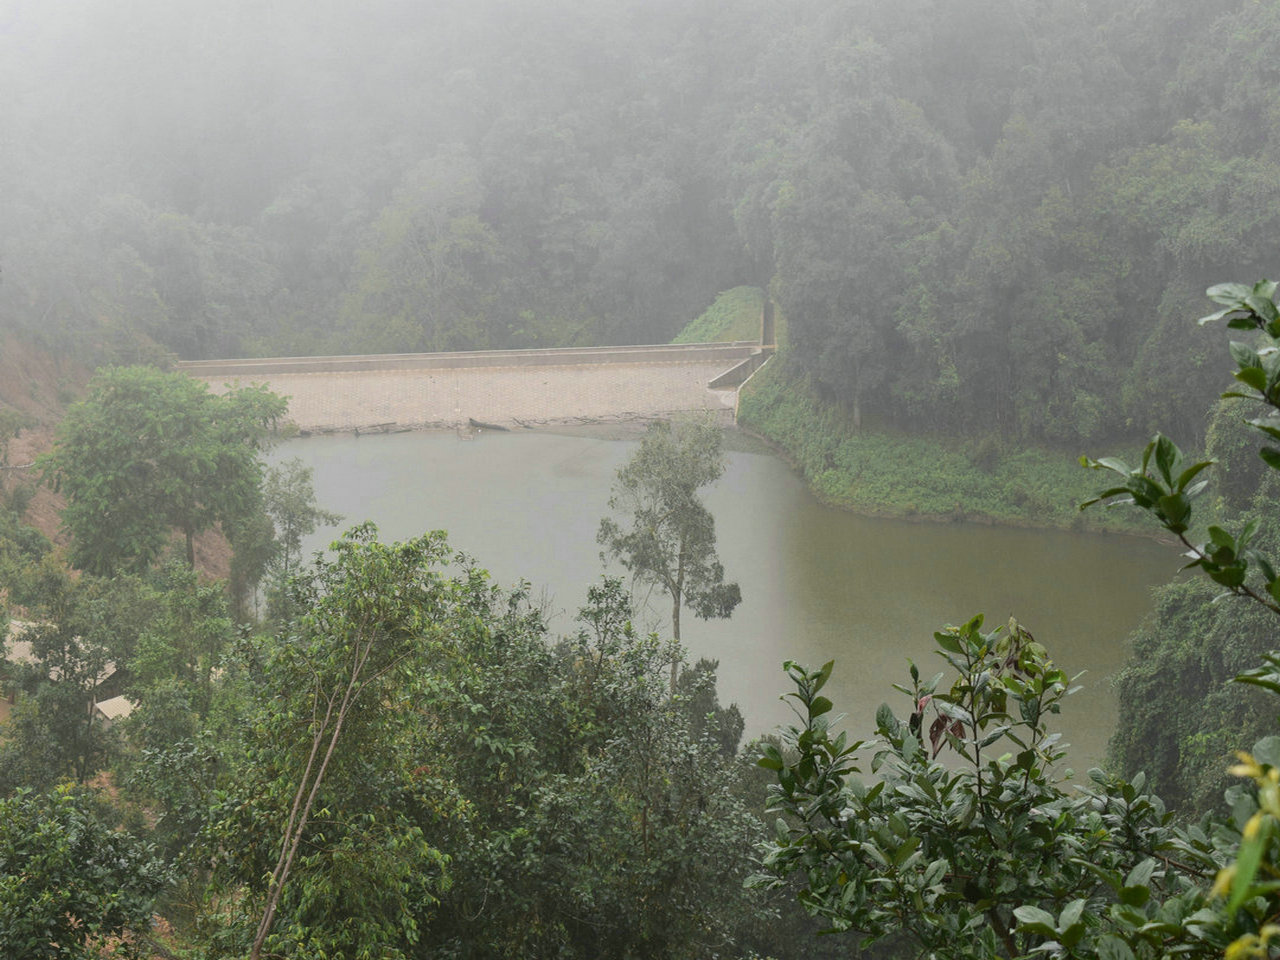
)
(506, 388)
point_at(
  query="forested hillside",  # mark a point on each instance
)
(990, 214)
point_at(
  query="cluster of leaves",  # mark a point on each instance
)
(69, 882)
(1164, 484)
(988, 853)
(410, 766)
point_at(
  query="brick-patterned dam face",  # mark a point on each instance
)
(500, 387)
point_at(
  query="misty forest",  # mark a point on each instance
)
(970, 240)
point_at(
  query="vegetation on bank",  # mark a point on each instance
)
(882, 473)
(735, 315)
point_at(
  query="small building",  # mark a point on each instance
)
(12, 651)
(112, 711)
(16, 650)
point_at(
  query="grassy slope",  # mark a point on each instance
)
(735, 315)
(899, 475)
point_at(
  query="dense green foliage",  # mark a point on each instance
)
(1184, 653)
(991, 855)
(980, 217)
(401, 761)
(148, 451)
(68, 882)
(1190, 645)
(490, 791)
(982, 220)
(890, 473)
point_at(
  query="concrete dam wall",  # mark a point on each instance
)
(511, 388)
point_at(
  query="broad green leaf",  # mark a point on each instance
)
(1231, 294)
(1214, 317)
(1176, 508)
(772, 759)
(1244, 355)
(823, 675)
(1221, 538)
(1262, 305)
(1268, 425)
(1141, 874)
(994, 735)
(905, 850)
(1071, 914)
(1252, 377)
(1267, 750)
(1189, 474)
(1112, 463)
(1248, 859)
(1034, 920)
(1111, 947)
(948, 641)
(885, 719)
(1167, 455)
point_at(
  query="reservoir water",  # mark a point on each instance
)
(817, 583)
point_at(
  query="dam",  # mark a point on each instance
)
(505, 388)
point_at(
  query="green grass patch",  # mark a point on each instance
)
(735, 315)
(930, 477)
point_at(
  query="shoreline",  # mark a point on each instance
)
(632, 428)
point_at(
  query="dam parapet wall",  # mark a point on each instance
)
(511, 388)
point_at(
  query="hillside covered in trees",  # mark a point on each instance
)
(981, 215)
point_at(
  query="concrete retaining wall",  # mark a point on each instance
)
(514, 388)
(574, 356)
(740, 374)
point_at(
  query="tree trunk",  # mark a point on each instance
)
(191, 547)
(675, 635)
(298, 818)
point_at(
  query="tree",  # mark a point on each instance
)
(184, 639)
(289, 499)
(667, 536)
(68, 882)
(84, 629)
(492, 792)
(365, 614)
(148, 451)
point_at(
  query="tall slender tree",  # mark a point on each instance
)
(667, 537)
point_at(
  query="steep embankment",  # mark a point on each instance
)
(35, 389)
